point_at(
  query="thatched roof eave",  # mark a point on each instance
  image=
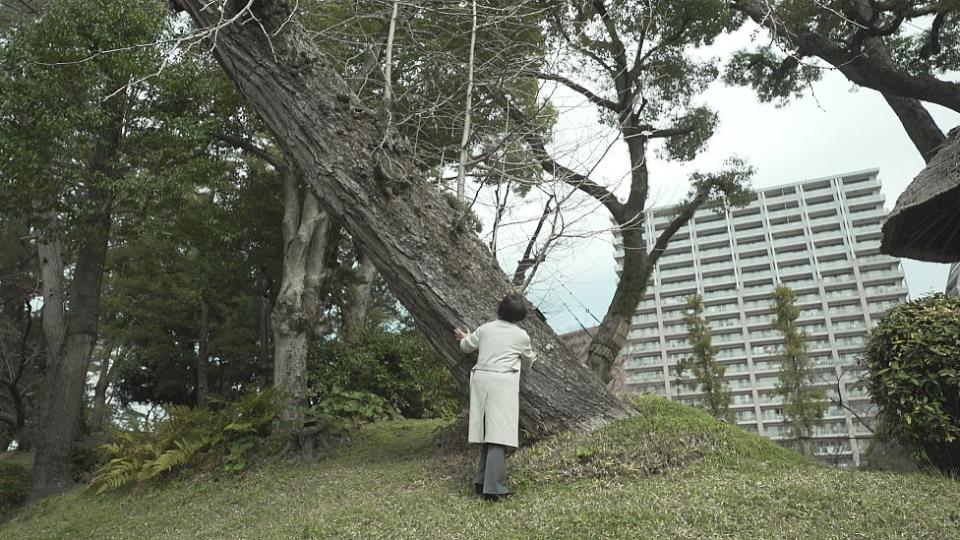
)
(925, 223)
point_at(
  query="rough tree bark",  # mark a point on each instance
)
(366, 179)
(305, 229)
(923, 131)
(70, 340)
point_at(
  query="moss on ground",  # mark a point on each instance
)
(671, 472)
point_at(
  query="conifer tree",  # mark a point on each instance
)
(703, 363)
(803, 405)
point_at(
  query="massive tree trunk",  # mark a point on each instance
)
(364, 175)
(70, 341)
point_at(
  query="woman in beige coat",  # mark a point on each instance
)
(503, 349)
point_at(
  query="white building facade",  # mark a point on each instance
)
(821, 238)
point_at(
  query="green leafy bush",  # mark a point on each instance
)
(192, 438)
(400, 367)
(354, 406)
(14, 487)
(913, 360)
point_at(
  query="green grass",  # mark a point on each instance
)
(671, 472)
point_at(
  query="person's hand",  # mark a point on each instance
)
(460, 333)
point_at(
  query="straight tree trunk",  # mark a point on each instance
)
(468, 111)
(367, 180)
(203, 354)
(70, 341)
(98, 414)
(304, 235)
(359, 298)
(263, 341)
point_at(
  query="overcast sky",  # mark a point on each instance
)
(836, 130)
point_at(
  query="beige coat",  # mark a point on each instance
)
(503, 349)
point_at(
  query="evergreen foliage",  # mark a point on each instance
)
(913, 363)
(703, 363)
(803, 405)
(400, 367)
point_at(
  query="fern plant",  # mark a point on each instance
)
(189, 438)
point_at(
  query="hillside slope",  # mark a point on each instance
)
(672, 472)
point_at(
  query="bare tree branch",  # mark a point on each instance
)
(593, 98)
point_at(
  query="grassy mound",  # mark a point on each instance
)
(665, 435)
(392, 482)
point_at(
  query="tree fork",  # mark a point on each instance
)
(366, 179)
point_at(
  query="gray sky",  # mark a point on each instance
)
(836, 129)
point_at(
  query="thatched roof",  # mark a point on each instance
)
(925, 223)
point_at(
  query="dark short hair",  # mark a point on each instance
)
(513, 308)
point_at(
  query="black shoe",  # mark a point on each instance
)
(478, 488)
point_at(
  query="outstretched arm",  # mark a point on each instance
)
(469, 342)
(527, 356)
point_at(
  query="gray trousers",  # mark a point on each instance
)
(491, 476)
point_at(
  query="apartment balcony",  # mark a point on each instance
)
(679, 286)
(792, 241)
(842, 294)
(795, 227)
(882, 274)
(865, 201)
(722, 266)
(830, 219)
(892, 291)
(858, 217)
(821, 205)
(841, 264)
(786, 271)
(831, 250)
(875, 261)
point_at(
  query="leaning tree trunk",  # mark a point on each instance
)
(923, 131)
(70, 341)
(366, 178)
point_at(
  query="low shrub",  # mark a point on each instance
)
(400, 367)
(913, 363)
(14, 487)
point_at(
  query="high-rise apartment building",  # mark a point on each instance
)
(821, 238)
(953, 280)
